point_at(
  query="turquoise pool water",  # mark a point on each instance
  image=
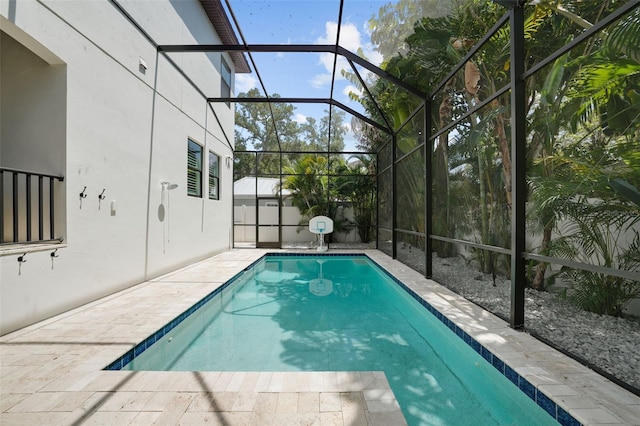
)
(305, 313)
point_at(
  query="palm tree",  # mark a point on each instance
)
(358, 186)
(308, 181)
(313, 191)
(599, 85)
(600, 241)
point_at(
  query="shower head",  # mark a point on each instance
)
(169, 186)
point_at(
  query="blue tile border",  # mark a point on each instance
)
(565, 419)
(546, 403)
(542, 400)
(318, 254)
(511, 374)
(125, 359)
(526, 387)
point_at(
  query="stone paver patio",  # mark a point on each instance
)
(51, 372)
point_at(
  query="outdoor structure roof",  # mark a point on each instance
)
(223, 27)
(262, 36)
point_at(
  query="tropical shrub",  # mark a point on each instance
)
(599, 244)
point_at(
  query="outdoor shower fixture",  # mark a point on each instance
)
(169, 186)
(164, 211)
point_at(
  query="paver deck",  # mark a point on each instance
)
(52, 372)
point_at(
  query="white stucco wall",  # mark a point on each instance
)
(126, 132)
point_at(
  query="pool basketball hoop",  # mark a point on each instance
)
(321, 225)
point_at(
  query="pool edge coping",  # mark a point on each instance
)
(541, 399)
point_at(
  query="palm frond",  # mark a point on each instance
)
(625, 36)
(602, 77)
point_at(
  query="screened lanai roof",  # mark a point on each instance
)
(321, 56)
(324, 58)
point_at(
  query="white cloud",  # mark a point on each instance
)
(373, 55)
(300, 118)
(326, 60)
(330, 31)
(245, 82)
(320, 80)
(349, 35)
(350, 140)
(353, 89)
(350, 39)
(369, 49)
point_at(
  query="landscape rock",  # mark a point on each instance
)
(606, 342)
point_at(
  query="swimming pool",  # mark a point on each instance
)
(342, 313)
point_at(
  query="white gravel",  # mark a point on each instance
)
(609, 343)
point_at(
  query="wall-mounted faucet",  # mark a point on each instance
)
(53, 256)
(83, 195)
(21, 260)
(101, 197)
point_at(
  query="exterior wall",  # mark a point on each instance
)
(246, 215)
(125, 130)
(245, 221)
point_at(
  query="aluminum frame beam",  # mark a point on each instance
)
(327, 101)
(518, 169)
(293, 48)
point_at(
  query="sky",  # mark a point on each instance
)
(305, 74)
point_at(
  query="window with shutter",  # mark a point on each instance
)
(214, 176)
(194, 169)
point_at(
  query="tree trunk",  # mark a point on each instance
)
(505, 151)
(484, 214)
(441, 178)
(541, 269)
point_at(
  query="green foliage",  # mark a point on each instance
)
(607, 81)
(594, 242)
(583, 127)
(549, 91)
(589, 199)
(624, 37)
(319, 187)
(272, 127)
(395, 22)
(357, 185)
(308, 181)
(626, 190)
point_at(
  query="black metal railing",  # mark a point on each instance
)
(19, 206)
